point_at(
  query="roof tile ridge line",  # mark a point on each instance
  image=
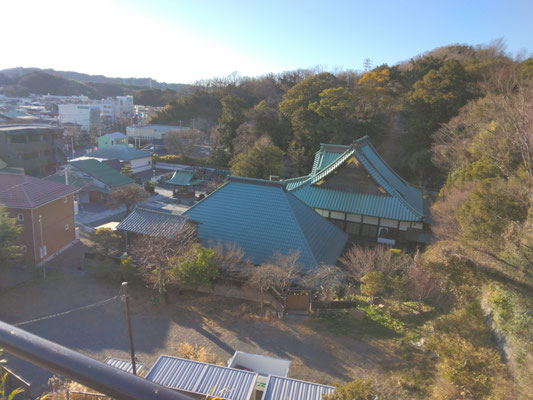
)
(296, 178)
(298, 223)
(159, 212)
(391, 169)
(397, 194)
(206, 197)
(326, 170)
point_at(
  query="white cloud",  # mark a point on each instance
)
(105, 37)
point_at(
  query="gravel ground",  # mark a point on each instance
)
(220, 324)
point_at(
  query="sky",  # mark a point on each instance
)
(179, 41)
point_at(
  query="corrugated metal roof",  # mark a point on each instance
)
(124, 365)
(279, 388)
(183, 178)
(22, 191)
(262, 218)
(202, 378)
(152, 223)
(403, 201)
(101, 172)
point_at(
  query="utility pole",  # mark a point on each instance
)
(130, 333)
(41, 253)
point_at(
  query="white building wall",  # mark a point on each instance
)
(150, 132)
(76, 113)
(141, 164)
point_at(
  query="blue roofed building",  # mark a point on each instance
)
(357, 190)
(263, 218)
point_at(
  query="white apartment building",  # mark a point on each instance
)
(125, 107)
(85, 115)
(148, 133)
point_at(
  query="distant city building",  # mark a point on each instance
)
(147, 133)
(85, 115)
(143, 114)
(35, 148)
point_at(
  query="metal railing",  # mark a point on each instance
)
(70, 364)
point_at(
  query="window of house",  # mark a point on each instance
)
(20, 217)
(65, 199)
(369, 230)
(338, 222)
(353, 228)
(23, 248)
(67, 227)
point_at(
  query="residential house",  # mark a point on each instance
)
(100, 179)
(263, 218)
(35, 148)
(356, 189)
(138, 160)
(112, 139)
(44, 209)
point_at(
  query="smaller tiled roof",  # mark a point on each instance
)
(101, 172)
(152, 223)
(184, 178)
(123, 153)
(22, 191)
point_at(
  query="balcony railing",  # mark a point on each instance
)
(70, 364)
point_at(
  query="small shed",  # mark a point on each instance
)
(279, 387)
(262, 365)
(183, 183)
(202, 379)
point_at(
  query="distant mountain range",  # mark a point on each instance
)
(23, 81)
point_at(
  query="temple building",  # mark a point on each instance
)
(357, 190)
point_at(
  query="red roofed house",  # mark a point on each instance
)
(45, 210)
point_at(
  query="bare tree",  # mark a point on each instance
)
(182, 141)
(359, 260)
(324, 279)
(127, 195)
(231, 260)
(278, 275)
(153, 255)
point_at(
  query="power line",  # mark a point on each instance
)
(69, 311)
